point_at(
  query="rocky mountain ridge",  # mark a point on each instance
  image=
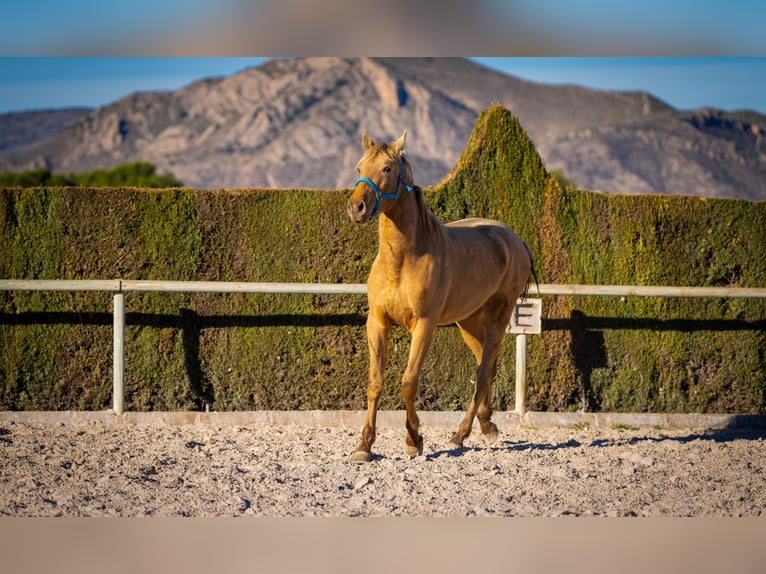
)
(20, 130)
(298, 123)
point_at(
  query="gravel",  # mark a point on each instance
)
(95, 469)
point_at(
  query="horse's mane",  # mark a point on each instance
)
(428, 220)
(431, 223)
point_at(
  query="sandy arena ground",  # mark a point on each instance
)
(96, 469)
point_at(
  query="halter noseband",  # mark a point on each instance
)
(380, 196)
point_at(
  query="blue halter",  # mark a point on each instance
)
(380, 196)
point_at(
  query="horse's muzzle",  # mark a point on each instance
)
(357, 210)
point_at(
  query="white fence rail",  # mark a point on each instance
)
(121, 286)
(126, 285)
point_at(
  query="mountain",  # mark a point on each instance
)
(298, 123)
(19, 130)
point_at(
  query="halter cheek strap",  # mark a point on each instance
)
(380, 196)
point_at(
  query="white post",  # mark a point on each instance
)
(521, 374)
(118, 392)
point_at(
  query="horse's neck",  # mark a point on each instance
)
(408, 228)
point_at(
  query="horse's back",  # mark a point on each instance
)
(480, 260)
(483, 240)
(485, 227)
(476, 222)
(480, 223)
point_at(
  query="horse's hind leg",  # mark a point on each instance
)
(480, 401)
(483, 333)
(472, 330)
(484, 410)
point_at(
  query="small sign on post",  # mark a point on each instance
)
(526, 320)
(527, 317)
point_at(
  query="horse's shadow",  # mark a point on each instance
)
(509, 446)
(504, 446)
(714, 435)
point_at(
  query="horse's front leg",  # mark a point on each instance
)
(378, 327)
(422, 335)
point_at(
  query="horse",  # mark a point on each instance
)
(425, 274)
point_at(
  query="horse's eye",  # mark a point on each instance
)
(387, 169)
(359, 171)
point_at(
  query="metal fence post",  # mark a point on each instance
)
(118, 391)
(521, 375)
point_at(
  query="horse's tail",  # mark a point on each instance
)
(532, 274)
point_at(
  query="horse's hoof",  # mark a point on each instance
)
(413, 451)
(491, 435)
(361, 456)
(455, 442)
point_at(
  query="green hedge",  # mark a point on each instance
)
(258, 351)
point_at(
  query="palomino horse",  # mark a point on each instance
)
(426, 273)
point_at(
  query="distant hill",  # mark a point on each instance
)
(298, 123)
(19, 130)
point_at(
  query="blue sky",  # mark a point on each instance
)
(38, 83)
(686, 83)
(690, 53)
(211, 27)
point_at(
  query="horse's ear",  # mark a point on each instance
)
(398, 145)
(367, 142)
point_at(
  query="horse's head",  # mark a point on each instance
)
(383, 171)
